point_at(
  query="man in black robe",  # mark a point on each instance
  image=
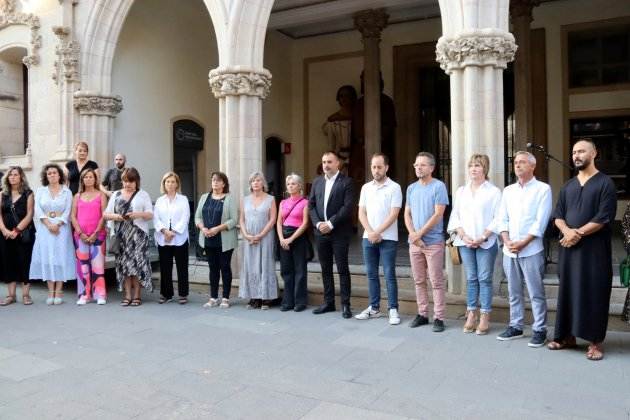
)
(585, 210)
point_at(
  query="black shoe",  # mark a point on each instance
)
(538, 339)
(438, 325)
(418, 321)
(323, 308)
(510, 333)
(286, 308)
(299, 308)
(345, 311)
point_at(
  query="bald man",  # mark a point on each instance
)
(584, 213)
(111, 180)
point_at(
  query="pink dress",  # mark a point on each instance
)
(90, 257)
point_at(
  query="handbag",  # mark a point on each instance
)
(624, 272)
(26, 236)
(310, 253)
(453, 250)
(115, 243)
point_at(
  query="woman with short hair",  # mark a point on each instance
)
(131, 210)
(216, 218)
(78, 164)
(171, 215)
(475, 207)
(18, 234)
(291, 228)
(53, 252)
(258, 281)
(89, 235)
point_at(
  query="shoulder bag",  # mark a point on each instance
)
(115, 244)
(453, 250)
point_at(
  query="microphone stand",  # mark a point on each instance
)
(548, 156)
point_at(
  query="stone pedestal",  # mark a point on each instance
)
(474, 49)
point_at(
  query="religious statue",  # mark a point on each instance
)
(338, 125)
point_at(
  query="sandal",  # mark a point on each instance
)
(136, 302)
(183, 300)
(26, 300)
(562, 344)
(595, 352)
(164, 300)
(8, 301)
(125, 302)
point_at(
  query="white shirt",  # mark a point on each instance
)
(327, 189)
(171, 215)
(379, 200)
(525, 210)
(475, 212)
(140, 203)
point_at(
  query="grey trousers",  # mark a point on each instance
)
(529, 270)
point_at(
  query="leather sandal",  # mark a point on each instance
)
(562, 344)
(595, 352)
(136, 302)
(26, 300)
(8, 301)
(484, 324)
(125, 302)
(471, 320)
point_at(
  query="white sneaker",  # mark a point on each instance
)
(211, 303)
(82, 301)
(101, 301)
(225, 303)
(50, 300)
(369, 313)
(394, 318)
(57, 301)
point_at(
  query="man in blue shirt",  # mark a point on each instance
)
(424, 211)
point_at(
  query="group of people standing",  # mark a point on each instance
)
(59, 234)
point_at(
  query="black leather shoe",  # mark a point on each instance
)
(345, 311)
(285, 308)
(323, 308)
(299, 308)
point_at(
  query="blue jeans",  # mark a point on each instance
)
(479, 268)
(385, 251)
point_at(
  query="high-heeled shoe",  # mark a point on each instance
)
(471, 320)
(484, 324)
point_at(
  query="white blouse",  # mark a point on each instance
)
(475, 212)
(171, 215)
(140, 203)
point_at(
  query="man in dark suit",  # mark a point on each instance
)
(331, 204)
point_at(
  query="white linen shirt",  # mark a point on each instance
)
(378, 201)
(327, 189)
(173, 215)
(525, 210)
(140, 203)
(475, 212)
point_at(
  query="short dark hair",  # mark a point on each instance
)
(332, 152)
(223, 177)
(383, 155)
(350, 89)
(131, 175)
(44, 178)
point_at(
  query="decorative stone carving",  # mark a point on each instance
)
(371, 22)
(476, 48)
(9, 15)
(68, 52)
(90, 103)
(238, 81)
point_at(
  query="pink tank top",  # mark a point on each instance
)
(294, 219)
(89, 214)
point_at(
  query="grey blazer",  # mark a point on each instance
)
(229, 217)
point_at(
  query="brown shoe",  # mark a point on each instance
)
(471, 320)
(484, 324)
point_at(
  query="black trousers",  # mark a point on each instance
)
(293, 269)
(219, 263)
(166, 254)
(329, 246)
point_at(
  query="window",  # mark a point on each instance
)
(13, 102)
(599, 57)
(612, 137)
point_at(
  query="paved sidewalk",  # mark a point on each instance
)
(184, 362)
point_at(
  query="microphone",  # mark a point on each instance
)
(535, 147)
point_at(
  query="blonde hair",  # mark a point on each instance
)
(82, 144)
(483, 160)
(297, 179)
(166, 176)
(260, 175)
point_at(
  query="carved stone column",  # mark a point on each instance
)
(240, 92)
(474, 49)
(521, 14)
(96, 119)
(371, 23)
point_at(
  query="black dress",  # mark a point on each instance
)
(15, 255)
(585, 269)
(74, 174)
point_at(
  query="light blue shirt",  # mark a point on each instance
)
(422, 199)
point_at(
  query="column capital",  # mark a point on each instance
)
(523, 8)
(480, 48)
(10, 15)
(371, 22)
(92, 103)
(239, 80)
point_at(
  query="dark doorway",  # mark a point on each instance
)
(274, 168)
(188, 139)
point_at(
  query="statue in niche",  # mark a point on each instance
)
(388, 134)
(338, 125)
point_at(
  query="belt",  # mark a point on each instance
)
(51, 214)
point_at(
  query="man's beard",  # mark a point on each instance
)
(120, 165)
(582, 164)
